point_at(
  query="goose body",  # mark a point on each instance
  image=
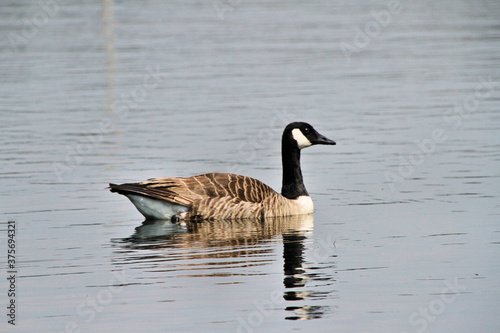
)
(226, 195)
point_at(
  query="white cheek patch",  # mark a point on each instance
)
(301, 139)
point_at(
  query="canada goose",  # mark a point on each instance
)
(226, 195)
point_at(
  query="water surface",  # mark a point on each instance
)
(405, 237)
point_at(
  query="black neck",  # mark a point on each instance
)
(293, 184)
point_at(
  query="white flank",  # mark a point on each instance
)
(306, 203)
(156, 209)
(301, 139)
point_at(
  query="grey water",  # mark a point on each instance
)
(406, 232)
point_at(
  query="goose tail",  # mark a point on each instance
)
(149, 207)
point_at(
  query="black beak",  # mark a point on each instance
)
(322, 140)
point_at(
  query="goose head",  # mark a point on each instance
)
(304, 135)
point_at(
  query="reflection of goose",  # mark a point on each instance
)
(225, 195)
(156, 230)
(221, 233)
(232, 248)
(296, 277)
(244, 241)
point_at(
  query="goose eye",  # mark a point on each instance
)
(306, 130)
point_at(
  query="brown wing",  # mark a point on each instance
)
(209, 186)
